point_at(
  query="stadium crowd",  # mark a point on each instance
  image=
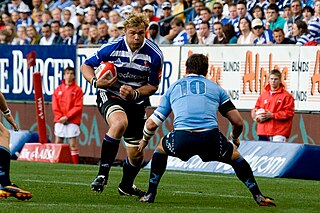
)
(91, 22)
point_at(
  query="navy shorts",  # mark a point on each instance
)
(135, 114)
(210, 145)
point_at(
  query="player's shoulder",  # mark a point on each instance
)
(153, 48)
(112, 45)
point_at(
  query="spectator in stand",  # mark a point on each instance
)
(6, 18)
(205, 15)
(25, 19)
(12, 33)
(55, 27)
(263, 36)
(70, 36)
(286, 12)
(4, 37)
(80, 20)
(218, 31)
(217, 14)
(100, 5)
(93, 35)
(15, 16)
(120, 27)
(126, 11)
(204, 34)
(91, 17)
(276, 123)
(258, 12)
(66, 15)
(38, 20)
(246, 35)
(177, 34)
(301, 33)
(263, 4)
(233, 17)
(33, 34)
(37, 6)
(296, 15)
(137, 10)
(165, 26)
(46, 17)
(113, 32)
(230, 34)
(114, 17)
(84, 33)
(194, 14)
(154, 35)
(103, 32)
(314, 24)
(192, 33)
(22, 38)
(148, 10)
(56, 15)
(274, 20)
(62, 32)
(279, 37)
(67, 105)
(242, 10)
(308, 14)
(47, 35)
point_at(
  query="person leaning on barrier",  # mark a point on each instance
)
(277, 105)
(196, 129)
(7, 188)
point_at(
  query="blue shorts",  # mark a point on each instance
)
(210, 145)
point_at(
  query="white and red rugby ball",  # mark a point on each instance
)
(259, 113)
(106, 67)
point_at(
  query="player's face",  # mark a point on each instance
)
(135, 37)
(274, 82)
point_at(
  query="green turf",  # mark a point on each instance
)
(65, 188)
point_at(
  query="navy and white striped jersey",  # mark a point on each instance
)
(304, 39)
(144, 66)
(314, 28)
(194, 101)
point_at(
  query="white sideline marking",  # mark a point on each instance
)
(211, 194)
(59, 182)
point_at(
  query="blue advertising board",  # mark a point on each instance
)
(268, 159)
(16, 80)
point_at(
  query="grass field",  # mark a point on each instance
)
(65, 188)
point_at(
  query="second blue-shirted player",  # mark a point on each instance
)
(195, 101)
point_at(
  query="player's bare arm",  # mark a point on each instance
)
(128, 93)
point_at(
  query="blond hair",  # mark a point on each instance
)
(136, 20)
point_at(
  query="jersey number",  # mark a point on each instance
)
(195, 87)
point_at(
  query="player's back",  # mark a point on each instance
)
(195, 101)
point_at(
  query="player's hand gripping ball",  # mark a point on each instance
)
(259, 113)
(106, 67)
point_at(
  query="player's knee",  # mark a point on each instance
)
(136, 160)
(119, 125)
(235, 154)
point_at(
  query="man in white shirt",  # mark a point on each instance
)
(47, 35)
(204, 34)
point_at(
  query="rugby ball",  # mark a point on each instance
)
(106, 67)
(259, 113)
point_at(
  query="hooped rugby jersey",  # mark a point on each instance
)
(144, 66)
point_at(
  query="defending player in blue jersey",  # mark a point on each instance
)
(195, 101)
(121, 99)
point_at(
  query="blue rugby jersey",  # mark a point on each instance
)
(142, 67)
(194, 101)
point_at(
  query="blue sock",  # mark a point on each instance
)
(158, 167)
(4, 166)
(109, 151)
(245, 174)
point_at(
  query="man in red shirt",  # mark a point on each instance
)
(275, 123)
(67, 105)
(148, 10)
